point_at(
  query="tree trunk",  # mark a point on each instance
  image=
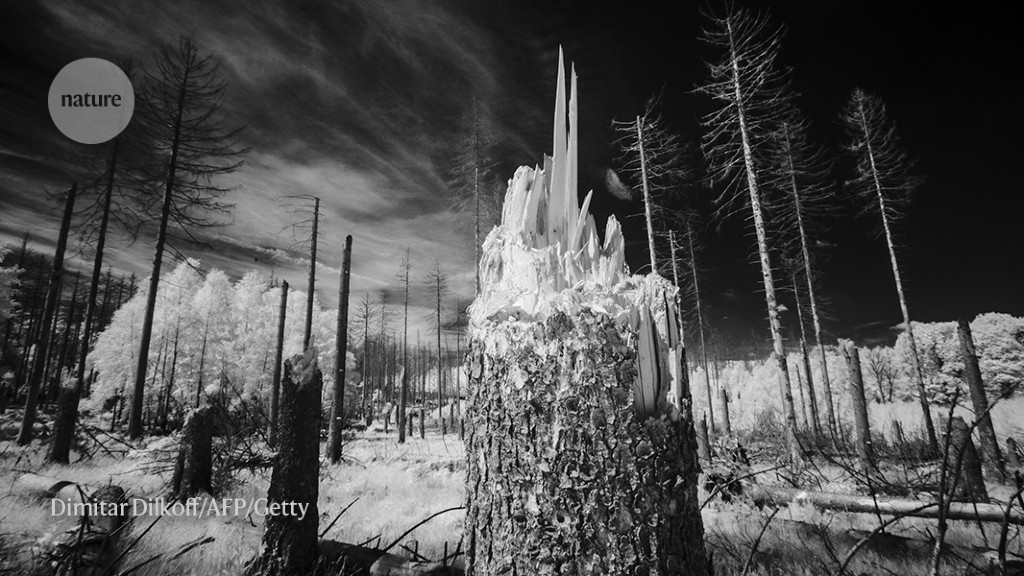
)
(135, 422)
(193, 471)
(803, 401)
(338, 408)
(963, 476)
(311, 290)
(811, 395)
(563, 476)
(647, 194)
(703, 443)
(1012, 456)
(918, 372)
(275, 392)
(972, 374)
(865, 453)
(290, 540)
(64, 425)
(778, 496)
(778, 351)
(724, 394)
(43, 337)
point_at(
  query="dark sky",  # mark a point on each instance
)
(360, 102)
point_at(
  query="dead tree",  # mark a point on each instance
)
(750, 90)
(275, 391)
(1012, 456)
(403, 275)
(38, 366)
(703, 442)
(865, 453)
(338, 407)
(311, 290)
(883, 180)
(990, 455)
(193, 471)
(182, 114)
(964, 480)
(290, 540)
(580, 447)
(724, 394)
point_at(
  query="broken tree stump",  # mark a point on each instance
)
(1012, 453)
(703, 443)
(193, 470)
(963, 468)
(290, 540)
(991, 458)
(90, 548)
(865, 453)
(580, 447)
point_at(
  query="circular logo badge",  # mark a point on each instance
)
(91, 100)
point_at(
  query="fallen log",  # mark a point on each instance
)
(778, 496)
(363, 561)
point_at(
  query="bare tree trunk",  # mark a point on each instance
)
(725, 409)
(42, 340)
(202, 359)
(778, 351)
(338, 408)
(585, 458)
(312, 275)
(193, 471)
(275, 391)
(703, 442)
(290, 540)
(865, 453)
(647, 195)
(803, 401)
(972, 374)
(812, 396)
(1012, 457)
(918, 372)
(963, 465)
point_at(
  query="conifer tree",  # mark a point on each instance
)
(192, 146)
(751, 93)
(884, 182)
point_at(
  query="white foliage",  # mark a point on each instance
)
(227, 331)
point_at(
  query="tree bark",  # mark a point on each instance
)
(312, 275)
(916, 359)
(724, 394)
(703, 442)
(865, 453)
(1012, 457)
(43, 336)
(990, 455)
(811, 395)
(338, 407)
(275, 392)
(64, 426)
(778, 350)
(964, 480)
(193, 471)
(290, 541)
(563, 477)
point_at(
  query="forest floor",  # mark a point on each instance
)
(391, 487)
